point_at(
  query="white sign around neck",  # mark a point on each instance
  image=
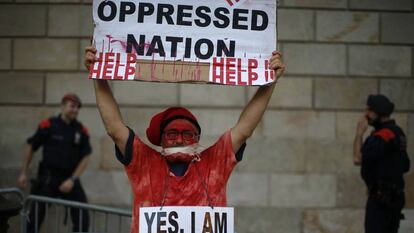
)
(186, 219)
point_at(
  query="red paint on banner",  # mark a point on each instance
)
(97, 71)
(108, 66)
(240, 70)
(111, 66)
(230, 71)
(131, 62)
(252, 76)
(269, 74)
(197, 74)
(182, 69)
(230, 2)
(218, 63)
(153, 67)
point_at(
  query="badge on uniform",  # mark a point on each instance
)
(77, 137)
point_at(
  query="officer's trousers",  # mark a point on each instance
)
(380, 218)
(51, 189)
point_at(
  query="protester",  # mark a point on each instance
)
(181, 174)
(383, 159)
(66, 151)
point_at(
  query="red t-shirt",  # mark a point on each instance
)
(152, 182)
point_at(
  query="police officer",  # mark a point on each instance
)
(66, 151)
(383, 159)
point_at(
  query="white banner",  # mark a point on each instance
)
(186, 219)
(234, 37)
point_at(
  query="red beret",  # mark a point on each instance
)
(72, 97)
(160, 120)
(380, 104)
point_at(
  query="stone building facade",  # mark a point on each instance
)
(297, 175)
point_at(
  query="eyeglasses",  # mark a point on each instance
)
(186, 135)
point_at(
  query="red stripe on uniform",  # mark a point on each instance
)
(45, 124)
(85, 130)
(385, 134)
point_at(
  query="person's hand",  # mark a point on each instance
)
(362, 125)
(66, 186)
(90, 57)
(22, 181)
(276, 64)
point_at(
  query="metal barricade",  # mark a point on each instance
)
(15, 191)
(11, 202)
(102, 219)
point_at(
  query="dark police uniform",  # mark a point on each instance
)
(384, 161)
(64, 146)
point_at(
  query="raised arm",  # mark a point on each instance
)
(254, 110)
(362, 127)
(108, 108)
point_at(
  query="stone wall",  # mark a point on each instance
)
(297, 174)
